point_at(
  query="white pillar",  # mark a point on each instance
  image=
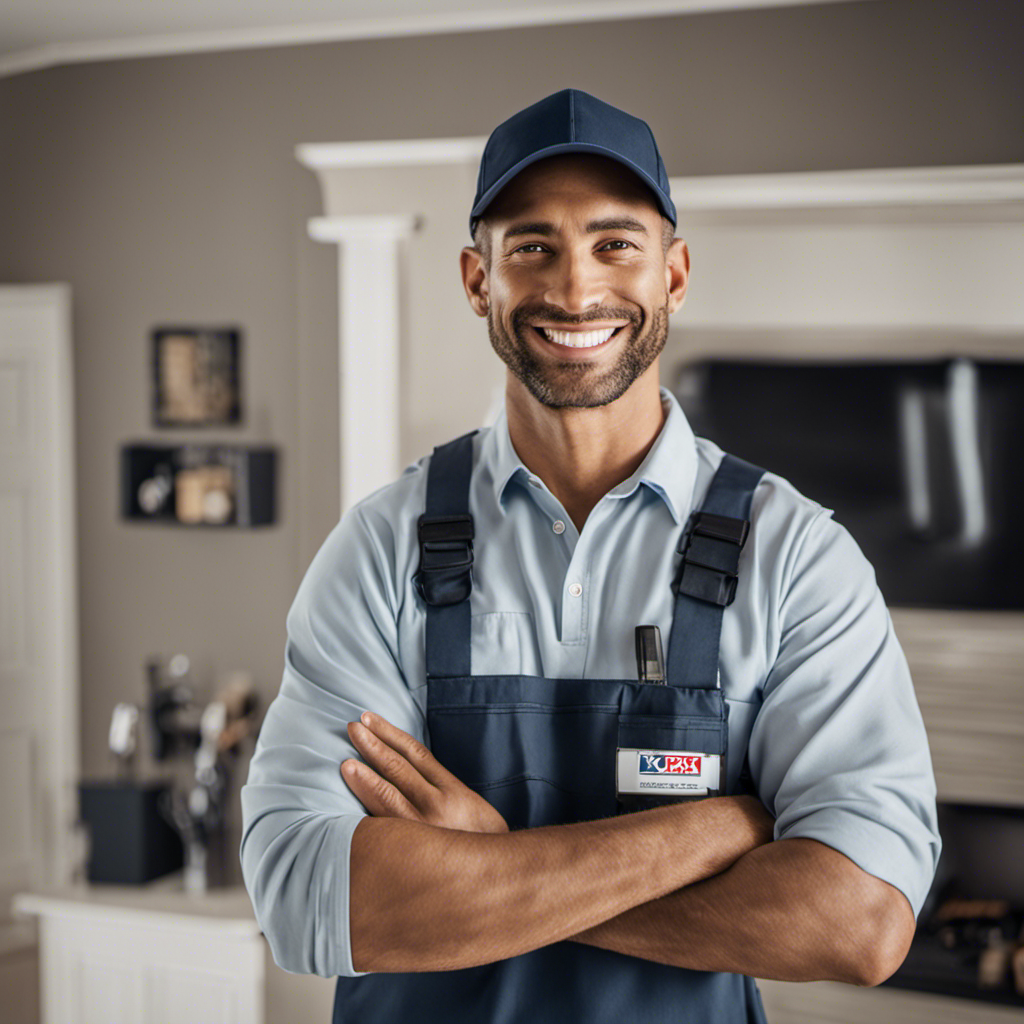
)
(371, 260)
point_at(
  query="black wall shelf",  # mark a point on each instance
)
(199, 484)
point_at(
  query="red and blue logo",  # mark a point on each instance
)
(670, 764)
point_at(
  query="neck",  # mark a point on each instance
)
(581, 454)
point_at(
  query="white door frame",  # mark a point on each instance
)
(45, 396)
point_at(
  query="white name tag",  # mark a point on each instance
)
(665, 771)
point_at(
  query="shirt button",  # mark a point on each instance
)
(558, 526)
(575, 589)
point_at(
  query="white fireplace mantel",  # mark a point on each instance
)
(928, 249)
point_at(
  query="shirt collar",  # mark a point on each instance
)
(669, 470)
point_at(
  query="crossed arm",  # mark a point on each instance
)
(439, 882)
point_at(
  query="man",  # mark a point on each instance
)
(463, 647)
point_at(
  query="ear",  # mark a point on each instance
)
(474, 279)
(677, 273)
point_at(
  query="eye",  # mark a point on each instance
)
(618, 241)
(530, 245)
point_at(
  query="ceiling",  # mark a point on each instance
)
(44, 33)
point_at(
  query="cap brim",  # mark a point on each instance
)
(664, 202)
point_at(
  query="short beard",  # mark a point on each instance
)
(577, 385)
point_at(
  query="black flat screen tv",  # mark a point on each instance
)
(922, 461)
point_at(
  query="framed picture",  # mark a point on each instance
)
(196, 376)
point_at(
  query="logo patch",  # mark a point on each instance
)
(686, 772)
(670, 764)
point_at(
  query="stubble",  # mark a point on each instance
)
(576, 383)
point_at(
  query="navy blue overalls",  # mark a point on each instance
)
(518, 741)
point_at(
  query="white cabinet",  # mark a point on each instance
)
(156, 955)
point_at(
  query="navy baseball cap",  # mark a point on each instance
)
(569, 121)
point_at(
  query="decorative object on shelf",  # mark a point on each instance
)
(172, 710)
(199, 484)
(196, 376)
(213, 739)
(198, 815)
(124, 726)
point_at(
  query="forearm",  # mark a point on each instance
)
(793, 910)
(429, 899)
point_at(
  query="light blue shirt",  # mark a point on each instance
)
(815, 679)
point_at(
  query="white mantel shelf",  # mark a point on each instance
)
(880, 187)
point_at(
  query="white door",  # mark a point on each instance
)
(38, 595)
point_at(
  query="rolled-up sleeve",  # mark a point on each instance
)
(838, 746)
(298, 816)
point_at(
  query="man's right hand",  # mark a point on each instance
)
(402, 779)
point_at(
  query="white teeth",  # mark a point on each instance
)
(578, 339)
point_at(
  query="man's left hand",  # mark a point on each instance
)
(402, 779)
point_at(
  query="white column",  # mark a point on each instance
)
(371, 260)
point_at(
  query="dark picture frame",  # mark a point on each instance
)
(196, 376)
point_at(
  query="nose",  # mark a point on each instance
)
(576, 283)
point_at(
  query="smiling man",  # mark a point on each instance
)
(536, 818)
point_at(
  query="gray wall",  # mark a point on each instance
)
(166, 189)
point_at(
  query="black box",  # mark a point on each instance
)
(130, 841)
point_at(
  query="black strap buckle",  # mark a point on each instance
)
(446, 558)
(710, 524)
(710, 547)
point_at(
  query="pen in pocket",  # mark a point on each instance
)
(650, 662)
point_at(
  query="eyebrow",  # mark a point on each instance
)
(543, 227)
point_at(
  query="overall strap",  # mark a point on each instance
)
(445, 576)
(706, 583)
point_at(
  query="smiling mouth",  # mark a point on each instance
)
(577, 339)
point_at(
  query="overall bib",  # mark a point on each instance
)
(544, 752)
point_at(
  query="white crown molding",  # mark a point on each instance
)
(434, 23)
(901, 186)
(342, 229)
(888, 186)
(320, 156)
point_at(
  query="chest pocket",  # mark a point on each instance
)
(504, 643)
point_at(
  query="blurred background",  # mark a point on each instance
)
(230, 307)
